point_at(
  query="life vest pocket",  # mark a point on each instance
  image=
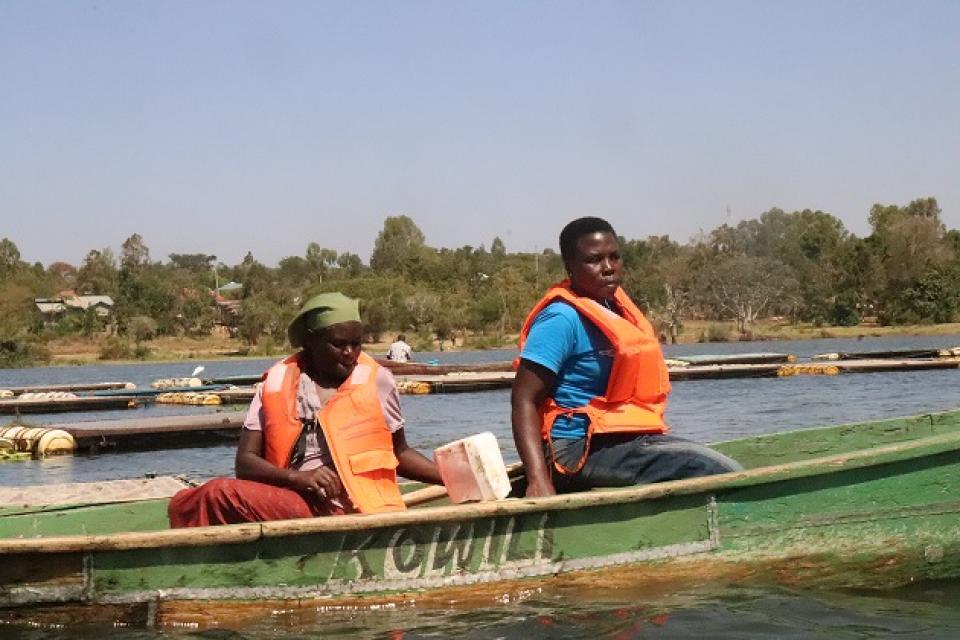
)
(367, 462)
(374, 481)
(628, 417)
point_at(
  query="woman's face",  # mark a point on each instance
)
(332, 352)
(596, 268)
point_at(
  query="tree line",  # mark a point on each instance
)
(804, 266)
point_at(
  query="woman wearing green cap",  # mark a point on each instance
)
(323, 436)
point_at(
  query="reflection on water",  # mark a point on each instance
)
(930, 611)
(704, 410)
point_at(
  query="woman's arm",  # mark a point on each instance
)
(530, 388)
(413, 464)
(251, 465)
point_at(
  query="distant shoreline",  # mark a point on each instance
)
(82, 351)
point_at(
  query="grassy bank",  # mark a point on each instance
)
(87, 350)
(76, 351)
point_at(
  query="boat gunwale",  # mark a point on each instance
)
(248, 532)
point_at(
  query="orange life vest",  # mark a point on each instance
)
(636, 393)
(353, 424)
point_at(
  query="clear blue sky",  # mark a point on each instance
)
(227, 127)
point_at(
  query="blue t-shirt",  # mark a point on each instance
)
(572, 347)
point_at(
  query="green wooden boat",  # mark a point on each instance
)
(862, 505)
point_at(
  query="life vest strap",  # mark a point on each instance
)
(602, 417)
(580, 463)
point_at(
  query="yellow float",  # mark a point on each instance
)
(413, 387)
(37, 442)
(807, 370)
(188, 397)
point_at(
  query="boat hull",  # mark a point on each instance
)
(877, 517)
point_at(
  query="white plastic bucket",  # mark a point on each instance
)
(472, 469)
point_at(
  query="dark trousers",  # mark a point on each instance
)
(620, 460)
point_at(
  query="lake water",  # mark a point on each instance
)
(706, 410)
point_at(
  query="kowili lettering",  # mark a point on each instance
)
(445, 549)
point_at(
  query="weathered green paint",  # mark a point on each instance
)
(793, 446)
(327, 562)
(394, 553)
(883, 511)
(869, 493)
(147, 515)
(884, 525)
(637, 526)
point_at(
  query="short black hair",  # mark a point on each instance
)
(579, 228)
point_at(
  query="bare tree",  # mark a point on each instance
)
(744, 287)
(675, 307)
(421, 307)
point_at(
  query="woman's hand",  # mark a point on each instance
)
(251, 465)
(323, 482)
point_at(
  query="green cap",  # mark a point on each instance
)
(322, 311)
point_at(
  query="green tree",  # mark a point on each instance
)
(141, 328)
(134, 253)
(258, 317)
(320, 260)
(21, 352)
(381, 299)
(376, 318)
(914, 246)
(647, 265)
(859, 274)
(452, 317)
(92, 323)
(350, 265)
(515, 291)
(9, 257)
(147, 291)
(498, 250)
(911, 243)
(296, 272)
(197, 263)
(934, 297)
(98, 274)
(484, 311)
(883, 216)
(196, 313)
(16, 308)
(399, 246)
(64, 274)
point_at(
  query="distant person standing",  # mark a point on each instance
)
(400, 351)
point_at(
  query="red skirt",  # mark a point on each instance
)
(232, 501)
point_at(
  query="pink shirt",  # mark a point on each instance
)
(309, 402)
